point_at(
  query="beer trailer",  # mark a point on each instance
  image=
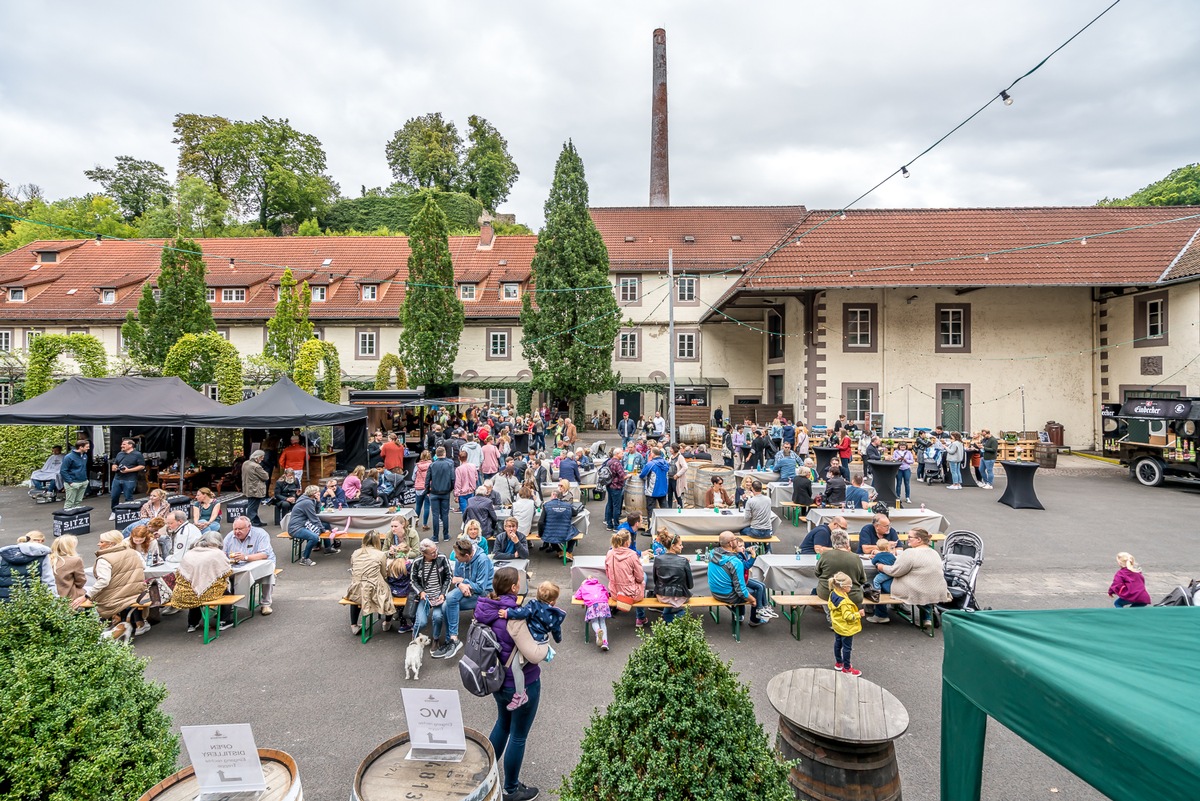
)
(1156, 438)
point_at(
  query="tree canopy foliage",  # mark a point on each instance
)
(1181, 187)
(137, 185)
(488, 170)
(428, 153)
(179, 309)
(69, 218)
(289, 328)
(432, 315)
(396, 213)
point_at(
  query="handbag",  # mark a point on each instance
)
(624, 603)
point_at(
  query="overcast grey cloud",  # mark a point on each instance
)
(770, 102)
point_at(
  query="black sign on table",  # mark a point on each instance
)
(884, 480)
(1018, 492)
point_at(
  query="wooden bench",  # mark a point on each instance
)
(935, 537)
(367, 621)
(708, 602)
(209, 610)
(798, 603)
(530, 539)
(765, 542)
(596, 492)
(791, 512)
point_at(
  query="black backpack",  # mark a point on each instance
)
(604, 476)
(481, 669)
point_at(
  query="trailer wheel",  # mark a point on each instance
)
(1148, 471)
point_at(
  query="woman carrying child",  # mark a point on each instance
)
(544, 620)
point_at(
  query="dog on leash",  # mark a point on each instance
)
(413, 656)
(120, 631)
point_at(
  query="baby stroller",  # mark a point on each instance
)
(931, 466)
(597, 450)
(962, 556)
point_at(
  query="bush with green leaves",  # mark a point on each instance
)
(680, 727)
(78, 720)
(24, 449)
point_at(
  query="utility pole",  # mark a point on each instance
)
(671, 342)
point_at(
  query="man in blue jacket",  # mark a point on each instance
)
(557, 526)
(439, 483)
(74, 474)
(626, 429)
(568, 468)
(725, 578)
(473, 572)
(656, 469)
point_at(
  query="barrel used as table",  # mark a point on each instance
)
(279, 769)
(824, 456)
(1018, 490)
(883, 479)
(841, 729)
(386, 774)
(635, 495)
(704, 480)
(693, 433)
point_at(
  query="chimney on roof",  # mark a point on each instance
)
(660, 173)
(486, 235)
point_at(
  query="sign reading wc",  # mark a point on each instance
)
(435, 725)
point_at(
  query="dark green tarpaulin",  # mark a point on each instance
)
(1113, 695)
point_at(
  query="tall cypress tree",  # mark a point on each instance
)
(290, 327)
(569, 331)
(179, 309)
(432, 314)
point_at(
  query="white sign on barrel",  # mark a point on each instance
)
(435, 725)
(225, 760)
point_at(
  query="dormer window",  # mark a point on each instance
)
(210, 295)
(318, 294)
(47, 257)
(108, 296)
(370, 292)
(233, 295)
(16, 295)
(466, 292)
(157, 293)
(510, 291)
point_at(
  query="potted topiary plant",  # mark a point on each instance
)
(80, 721)
(680, 727)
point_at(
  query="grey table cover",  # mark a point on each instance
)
(902, 519)
(587, 567)
(702, 521)
(784, 573)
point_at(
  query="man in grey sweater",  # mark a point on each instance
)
(758, 513)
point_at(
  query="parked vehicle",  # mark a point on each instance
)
(1156, 438)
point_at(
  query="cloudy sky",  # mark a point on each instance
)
(771, 102)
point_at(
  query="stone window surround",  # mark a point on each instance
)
(358, 332)
(938, 347)
(1139, 320)
(508, 344)
(873, 328)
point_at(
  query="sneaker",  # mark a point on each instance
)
(355, 629)
(908, 500)
(387, 625)
(769, 612)
(170, 610)
(837, 665)
(604, 645)
(228, 624)
(522, 793)
(927, 625)
(640, 623)
(404, 628)
(192, 628)
(549, 655)
(112, 516)
(518, 700)
(762, 618)
(851, 671)
(876, 619)
(142, 629)
(264, 610)
(328, 550)
(307, 563)
(449, 649)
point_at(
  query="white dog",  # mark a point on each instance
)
(412, 657)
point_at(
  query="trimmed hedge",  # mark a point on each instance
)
(24, 449)
(397, 213)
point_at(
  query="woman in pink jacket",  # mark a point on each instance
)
(626, 576)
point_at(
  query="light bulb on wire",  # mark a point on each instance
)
(904, 171)
(1006, 97)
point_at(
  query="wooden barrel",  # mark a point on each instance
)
(866, 772)
(693, 433)
(1046, 455)
(635, 496)
(385, 775)
(694, 466)
(282, 775)
(703, 482)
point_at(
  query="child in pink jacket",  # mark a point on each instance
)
(1128, 585)
(595, 597)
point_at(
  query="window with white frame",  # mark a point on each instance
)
(5, 341)
(5, 394)
(466, 292)
(370, 292)
(1155, 319)
(686, 345)
(318, 294)
(210, 295)
(629, 289)
(859, 402)
(951, 328)
(211, 391)
(497, 397)
(858, 327)
(157, 293)
(16, 294)
(30, 335)
(498, 344)
(510, 291)
(366, 344)
(627, 348)
(233, 295)
(686, 289)
(108, 296)
(223, 333)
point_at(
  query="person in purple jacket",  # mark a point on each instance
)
(1128, 585)
(512, 726)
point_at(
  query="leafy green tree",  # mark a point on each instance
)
(681, 727)
(309, 227)
(432, 315)
(290, 327)
(205, 152)
(69, 218)
(426, 153)
(488, 170)
(180, 308)
(260, 371)
(80, 722)
(196, 210)
(280, 172)
(569, 333)
(1181, 187)
(137, 185)
(397, 213)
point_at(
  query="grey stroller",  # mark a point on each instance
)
(931, 466)
(962, 556)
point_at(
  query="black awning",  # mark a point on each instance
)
(1158, 408)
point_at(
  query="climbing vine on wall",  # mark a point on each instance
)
(44, 353)
(201, 359)
(312, 354)
(383, 376)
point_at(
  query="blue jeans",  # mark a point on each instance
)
(252, 510)
(670, 613)
(426, 612)
(462, 503)
(310, 538)
(955, 473)
(123, 485)
(512, 729)
(1121, 603)
(902, 479)
(612, 507)
(757, 533)
(43, 486)
(423, 505)
(625, 443)
(455, 603)
(882, 582)
(759, 591)
(988, 468)
(841, 649)
(440, 505)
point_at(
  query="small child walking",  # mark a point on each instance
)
(597, 611)
(544, 620)
(885, 555)
(1128, 585)
(847, 621)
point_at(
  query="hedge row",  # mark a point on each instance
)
(396, 213)
(24, 449)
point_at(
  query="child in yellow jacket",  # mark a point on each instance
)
(847, 621)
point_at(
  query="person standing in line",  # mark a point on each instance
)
(74, 474)
(125, 468)
(254, 485)
(954, 460)
(440, 483)
(1128, 586)
(614, 490)
(989, 447)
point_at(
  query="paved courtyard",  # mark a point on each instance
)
(312, 689)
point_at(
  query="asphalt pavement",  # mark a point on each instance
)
(310, 688)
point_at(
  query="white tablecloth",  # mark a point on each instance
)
(781, 491)
(586, 567)
(765, 476)
(522, 567)
(784, 573)
(902, 519)
(702, 521)
(244, 575)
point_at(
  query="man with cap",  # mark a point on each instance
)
(626, 428)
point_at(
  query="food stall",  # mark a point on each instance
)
(1156, 438)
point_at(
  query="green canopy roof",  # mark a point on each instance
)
(1111, 694)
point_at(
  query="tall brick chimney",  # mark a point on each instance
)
(660, 172)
